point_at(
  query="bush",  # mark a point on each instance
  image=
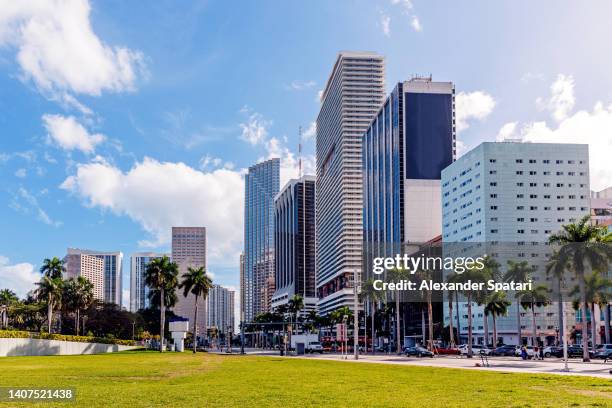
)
(14, 334)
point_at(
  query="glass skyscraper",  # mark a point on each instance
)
(352, 96)
(139, 291)
(262, 183)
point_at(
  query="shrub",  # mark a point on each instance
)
(14, 334)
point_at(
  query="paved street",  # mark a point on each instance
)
(596, 368)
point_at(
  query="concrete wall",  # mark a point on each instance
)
(37, 347)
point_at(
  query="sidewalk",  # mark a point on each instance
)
(595, 368)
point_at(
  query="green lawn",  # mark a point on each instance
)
(150, 379)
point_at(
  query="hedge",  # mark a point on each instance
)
(16, 334)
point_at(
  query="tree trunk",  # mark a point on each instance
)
(486, 328)
(373, 307)
(494, 330)
(607, 323)
(458, 320)
(519, 331)
(397, 324)
(195, 326)
(423, 324)
(469, 305)
(430, 317)
(534, 333)
(583, 313)
(49, 312)
(560, 311)
(77, 321)
(450, 320)
(162, 320)
(593, 325)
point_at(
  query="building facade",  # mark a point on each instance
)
(601, 208)
(113, 269)
(294, 242)
(139, 291)
(87, 266)
(242, 287)
(220, 308)
(262, 183)
(351, 98)
(511, 197)
(189, 250)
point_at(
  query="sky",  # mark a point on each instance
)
(120, 119)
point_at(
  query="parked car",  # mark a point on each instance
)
(572, 351)
(476, 349)
(314, 347)
(448, 350)
(551, 351)
(529, 349)
(505, 350)
(603, 351)
(418, 351)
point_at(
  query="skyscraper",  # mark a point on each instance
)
(220, 308)
(405, 149)
(261, 185)
(113, 268)
(351, 98)
(189, 250)
(242, 286)
(139, 292)
(294, 242)
(510, 197)
(87, 266)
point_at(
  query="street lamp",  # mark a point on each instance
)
(356, 290)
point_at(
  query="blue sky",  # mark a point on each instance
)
(121, 119)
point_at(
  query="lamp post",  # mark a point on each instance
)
(564, 320)
(356, 290)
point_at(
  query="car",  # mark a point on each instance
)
(476, 349)
(529, 349)
(314, 347)
(572, 351)
(505, 350)
(418, 351)
(551, 351)
(603, 351)
(448, 350)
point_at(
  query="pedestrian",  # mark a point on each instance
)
(536, 353)
(524, 353)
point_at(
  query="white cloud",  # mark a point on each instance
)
(58, 50)
(299, 85)
(508, 131)
(562, 100)
(415, 23)
(385, 23)
(461, 148)
(593, 128)
(255, 130)
(289, 162)
(21, 173)
(20, 278)
(159, 195)
(311, 131)
(69, 134)
(319, 96)
(473, 105)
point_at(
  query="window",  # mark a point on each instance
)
(533, 207)
(533, 196)
(492, 172)
(519, 172)
(546, 161)
(519, 160)
(492, 160)
(559, 161)
(494, 207)
(494, 231)
(493, 184)
(519, 196)
(520, 207)
(493, 195)
(519, 184)
(533, 184)
(546, 184)
(520, 220)
(533, 173)
(521, 231)
(532, 161)
(546, 195)
(533, 219)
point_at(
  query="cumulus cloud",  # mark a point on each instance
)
(472, 105)
(415, 23)
(68, 134)
(311, 131)
(385, 23)
(255, 129)
(289, 162)
(300, 85)
(562, 100)
(507, 131)
(60, 53)
(20, 278)
(21, 173)
(159, 195)
(588, 127)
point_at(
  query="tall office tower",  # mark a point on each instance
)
(261, 184)
(242, 286)
(113, 268)
(220, 308)
(294, 243)
(405, 149)
(88, 266)
(189, 250)
(139, 292)
(510, 197)
(352, 96)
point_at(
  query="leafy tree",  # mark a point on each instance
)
(518, 272)
(53, 268)
(161, 275)
(196, 282)
(77, 295)
(50, 290)
(586, 248)
(373, 296)
(496, 305)
(294, 306)
(7, 298)
(397, 275)
(597, 290)
(530, 299)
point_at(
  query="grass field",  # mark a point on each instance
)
(150, 379)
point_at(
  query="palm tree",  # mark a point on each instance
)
(530, 299)
(53, 268)
(373, 296)
(50, 289)
(557, 268)
(198, 283)
(396, 275)
(294, 306)
(496, 305)
(587, 248)
(7, 298)
(597, 293)
(453, 278)
(518, 272)
(77, 295)
(490, 271)
(426, 276)
(162, 275)
(475, 276)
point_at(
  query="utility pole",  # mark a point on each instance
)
(355, 315)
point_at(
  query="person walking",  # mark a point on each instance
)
(524, 353)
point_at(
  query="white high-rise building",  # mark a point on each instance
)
(113, 269)
(87, 266)
(352, 96)
(511, 197)
(220, 308)
(139, 292)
